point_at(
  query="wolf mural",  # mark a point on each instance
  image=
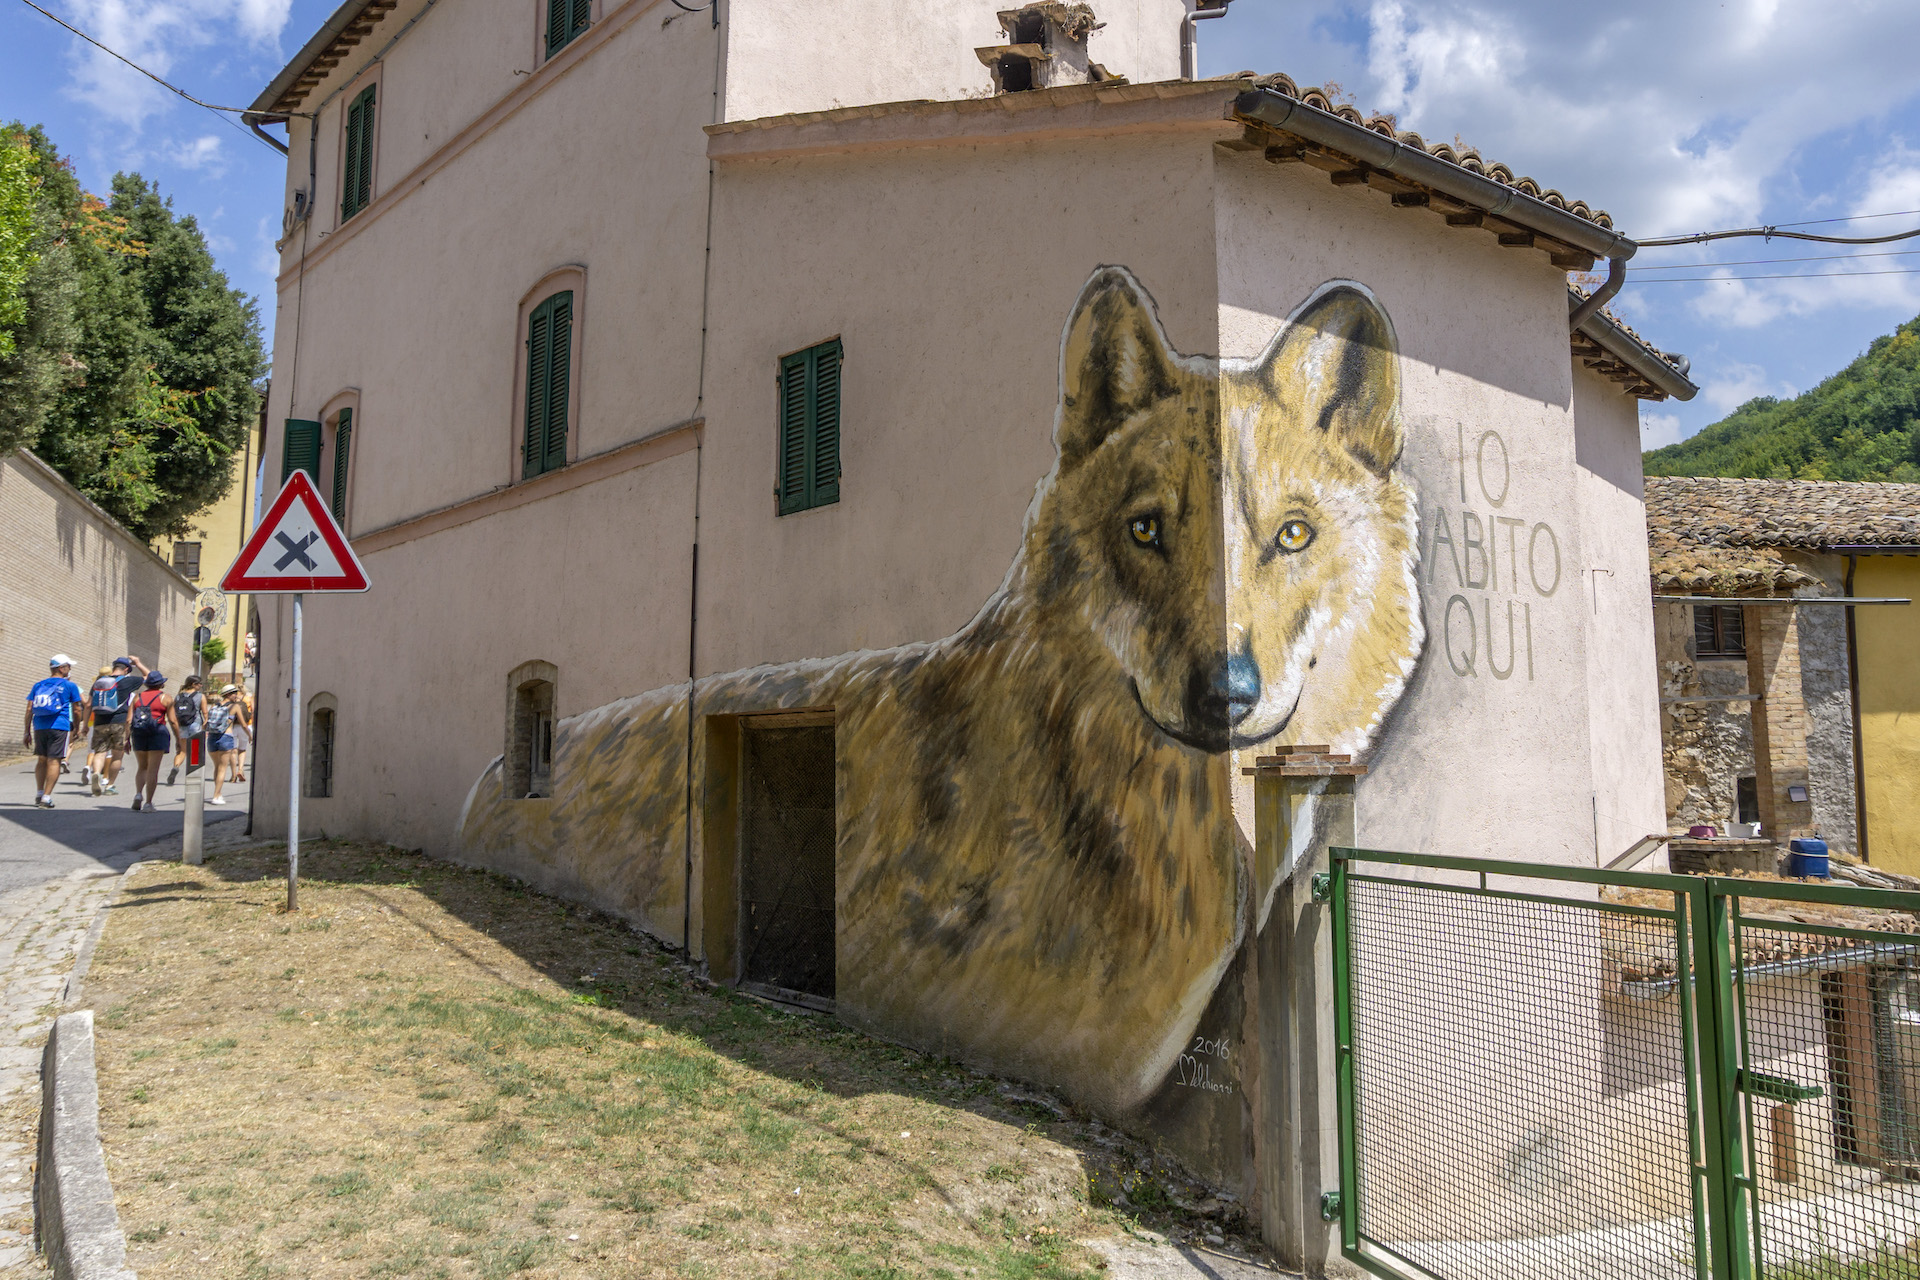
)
(1038, 869)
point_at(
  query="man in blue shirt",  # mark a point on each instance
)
(49, 720)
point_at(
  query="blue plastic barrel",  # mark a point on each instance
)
(1807, 858)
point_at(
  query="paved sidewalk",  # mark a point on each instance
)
(41, 929)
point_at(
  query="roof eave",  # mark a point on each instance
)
(1649, 364)
(264, 108)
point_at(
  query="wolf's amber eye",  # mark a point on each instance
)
(1145, 531)
(1294, 536)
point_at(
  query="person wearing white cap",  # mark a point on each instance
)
(49, 720)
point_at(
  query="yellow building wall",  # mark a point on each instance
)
(220, 530)
(1888, 642)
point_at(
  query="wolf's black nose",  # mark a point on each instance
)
(1242, 686)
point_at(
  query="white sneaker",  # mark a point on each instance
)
(94, 784)
(217, 800)
(86, 771)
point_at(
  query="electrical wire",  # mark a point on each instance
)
(217, 110)
(1800, 275)
(1762, 262)
(1774, 232)
(1858, 217)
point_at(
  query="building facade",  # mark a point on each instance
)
(856, 516)
(1781, 704)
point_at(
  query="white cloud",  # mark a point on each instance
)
(164, 36)
(1739, 383)
(202, 153)
(1657, 429)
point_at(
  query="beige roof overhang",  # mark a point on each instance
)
(348, 26)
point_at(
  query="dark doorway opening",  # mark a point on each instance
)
(787, 837)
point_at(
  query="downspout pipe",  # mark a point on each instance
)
(1189, 38)
(253, 122)
(1616, 279)
(1853, 698)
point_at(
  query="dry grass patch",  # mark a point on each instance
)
(430, 1071)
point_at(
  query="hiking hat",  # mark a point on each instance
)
(124, 662)
(60, 660)
(232, 688)
(155, 679)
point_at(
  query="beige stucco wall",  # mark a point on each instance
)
(221, 530)
(1888, 643)
(76, 582)
(784, 57)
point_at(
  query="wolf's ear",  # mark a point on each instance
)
(1337, 366)
(1113, 362)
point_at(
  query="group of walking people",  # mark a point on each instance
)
(129, 707)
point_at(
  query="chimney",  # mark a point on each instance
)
(1046, 47)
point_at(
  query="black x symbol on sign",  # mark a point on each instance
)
(296, 551)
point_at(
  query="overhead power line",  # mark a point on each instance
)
(173, 88)
(1799, 275)
(1775, 233)
(1762, 262)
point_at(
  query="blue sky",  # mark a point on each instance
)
(1674, 117)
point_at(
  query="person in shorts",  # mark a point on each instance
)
(109, 701)
(242, 733)
(49, 723)
(226, 719)
(150, 728)
(189, 709)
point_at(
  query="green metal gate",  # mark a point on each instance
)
(1546, 1071)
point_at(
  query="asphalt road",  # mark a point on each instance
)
(84, 830)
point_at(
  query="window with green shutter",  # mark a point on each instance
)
(549, 378)
(810, 427)
(356, 173)
(342, 452)
(300, 450)
(565, 20)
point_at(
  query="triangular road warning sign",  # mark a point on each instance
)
(296, 547)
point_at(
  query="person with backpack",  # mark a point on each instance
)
(225, 719)
(188, 709)
(149, 719)
(111, 696)
(49, 722)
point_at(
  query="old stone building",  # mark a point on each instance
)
(1781, 703)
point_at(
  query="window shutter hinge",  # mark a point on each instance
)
(1322, 886)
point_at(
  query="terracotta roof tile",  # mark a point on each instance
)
(1720, 535)
(1466, 157)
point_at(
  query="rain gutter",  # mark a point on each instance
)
(342, 18)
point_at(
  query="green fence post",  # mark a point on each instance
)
(1727, 1216)
(1697, 1181)
(1344, 1081)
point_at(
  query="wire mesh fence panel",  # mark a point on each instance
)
(1831, 1054)
(1521, 1083)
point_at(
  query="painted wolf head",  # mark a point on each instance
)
(1248, 577)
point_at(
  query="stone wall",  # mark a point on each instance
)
(1823, 682)
(1706, 747)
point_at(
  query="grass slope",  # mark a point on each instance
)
(434, 1072)
(1860, 424)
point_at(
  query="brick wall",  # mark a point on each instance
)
(73, 581)
(1779, 719)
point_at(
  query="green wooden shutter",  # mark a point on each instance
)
(565, 20)
(342, 448)
(559, 381)
(300, 449)
(793, 433)
(539, 343)
(825, 471)
(356, 174)
(810, 427)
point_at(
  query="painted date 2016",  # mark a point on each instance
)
(1194, 1071)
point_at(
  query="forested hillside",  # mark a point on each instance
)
(1860, 424)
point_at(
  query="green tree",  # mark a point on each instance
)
(1863, 423)
(18, 230)
(37, 362)
(155, 389)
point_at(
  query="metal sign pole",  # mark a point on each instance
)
(190, 836)
(293, 773)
